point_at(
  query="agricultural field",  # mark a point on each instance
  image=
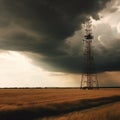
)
(106, 112)
(59, 104)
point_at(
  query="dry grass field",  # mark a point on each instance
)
(33, 104)
(106, 112)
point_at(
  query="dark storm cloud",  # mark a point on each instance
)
(110, 57)
(42, 27)
(65, 63)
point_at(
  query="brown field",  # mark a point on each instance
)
(106, 112)
(65, 104)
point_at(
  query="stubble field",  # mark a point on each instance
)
(59, 104)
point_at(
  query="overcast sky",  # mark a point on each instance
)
(41, 42)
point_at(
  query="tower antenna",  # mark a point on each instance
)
(89, 77)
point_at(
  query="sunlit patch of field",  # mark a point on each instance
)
(106, 112)
(30, 104)
(19, 98)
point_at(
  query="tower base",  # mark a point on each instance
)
(89, 81)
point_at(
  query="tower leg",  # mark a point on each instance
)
(81, 81)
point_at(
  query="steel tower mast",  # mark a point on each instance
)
(89, 77)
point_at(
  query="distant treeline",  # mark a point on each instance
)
(48, 87)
